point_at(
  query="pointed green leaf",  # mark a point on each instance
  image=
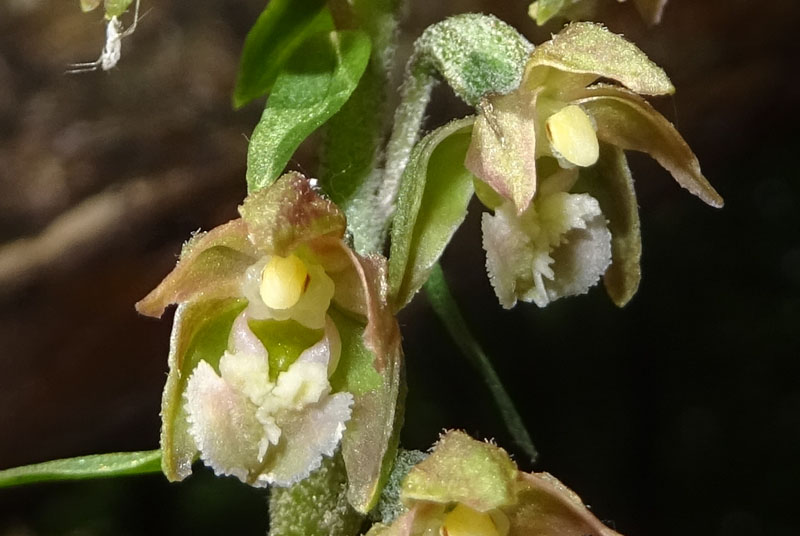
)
(280, 29)
(199, 332)
(83, 467)
(370, 441)
(314, 84)
(584, 51)
(463, 470)
(315, 506)
(432, 203)
(610, 182)
(628, 121)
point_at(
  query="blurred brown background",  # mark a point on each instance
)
(680, 413)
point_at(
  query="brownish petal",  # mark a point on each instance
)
(583, 52)
(610, 182)
(502, 152)
(290, 213)
(628, 121)
(211, 266)
(549, 508)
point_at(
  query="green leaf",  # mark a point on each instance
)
(432, 203)
(370, 441)
(315, 83)
(84, 467)
(315, 506)
(447, 310)
(610, 182)
(280, 29)
(115, 8)
(200, 332)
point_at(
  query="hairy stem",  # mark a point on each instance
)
(447, 310)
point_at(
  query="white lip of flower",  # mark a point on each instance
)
(265, 432)
(294, 289)
(560, 246)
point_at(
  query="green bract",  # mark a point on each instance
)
(283, 345)
(467, 487)
(548, 239)
(282, 27)
(311, 88)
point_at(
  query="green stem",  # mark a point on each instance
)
(446, 308)
(355, 135)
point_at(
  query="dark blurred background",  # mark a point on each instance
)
(678, 414)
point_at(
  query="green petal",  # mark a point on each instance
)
(288, 214)
(651, 10)
(83, 467)
(549, 508)
(280, 29)
(610, 182)
(211, 266)
(200, 332)
(315, 84)
(461, 469)
(503, 148)
(626, 120)
(590, 51)
(372, 435)
(432, 203)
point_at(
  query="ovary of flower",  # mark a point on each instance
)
(572, 136)
(283, 281)
(283, 288)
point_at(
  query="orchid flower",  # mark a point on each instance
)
(283, 347)
(550, 163)
(467, 487)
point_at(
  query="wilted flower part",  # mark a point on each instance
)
(238, 417)
(283, 338)
(470, 488)
(545, 242)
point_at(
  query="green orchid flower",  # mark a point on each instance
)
(543, 10)
(471, 488)
(283, 347)
(550, 160)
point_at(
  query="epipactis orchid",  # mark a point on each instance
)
(471, 488)
(283, 347)
(550, 159)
